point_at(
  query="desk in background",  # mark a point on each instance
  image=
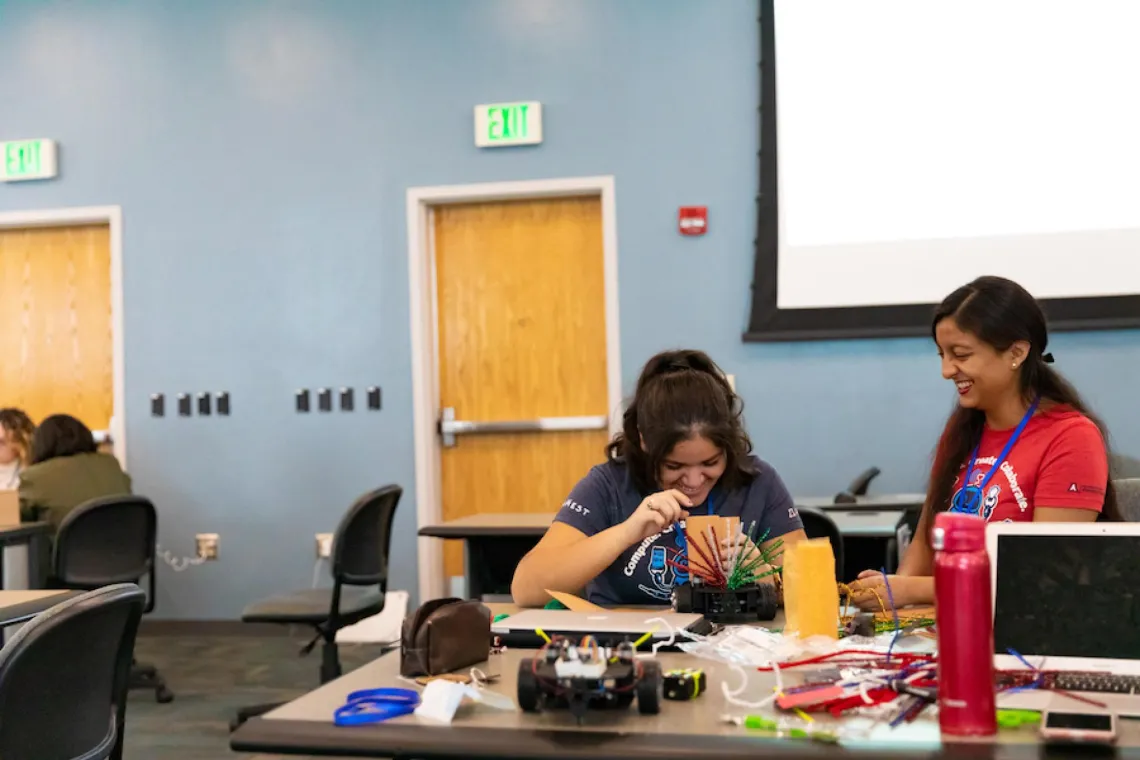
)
(496, 542)
(24, 555)
(870, 526)
(897, 502)
(493, 546)
(682, 729)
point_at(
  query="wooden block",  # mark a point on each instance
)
(811, 595)
(697, 533)
(574, 603)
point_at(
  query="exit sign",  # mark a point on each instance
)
(27, 159)
(501, 124)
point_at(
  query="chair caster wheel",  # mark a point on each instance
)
(162, 695)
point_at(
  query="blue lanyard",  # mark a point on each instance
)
(971, 497)
(375, 705)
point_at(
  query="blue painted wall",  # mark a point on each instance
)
(261, 150)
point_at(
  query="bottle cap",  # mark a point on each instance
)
(954, 532)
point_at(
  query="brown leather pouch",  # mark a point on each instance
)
(445, 635)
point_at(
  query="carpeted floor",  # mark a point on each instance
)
(211, 677)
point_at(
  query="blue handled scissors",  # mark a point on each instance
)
(375, 705)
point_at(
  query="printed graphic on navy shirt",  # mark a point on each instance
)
(644, 573)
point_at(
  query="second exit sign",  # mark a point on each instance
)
(502, 124)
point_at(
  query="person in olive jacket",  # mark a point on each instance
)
(66, 471)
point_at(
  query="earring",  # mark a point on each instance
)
(1015, 365)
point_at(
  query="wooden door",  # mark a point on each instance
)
(55, 322)
(522, 334)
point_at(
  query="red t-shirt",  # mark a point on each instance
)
(1059, 460)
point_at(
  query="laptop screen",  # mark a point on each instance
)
(1068, 596)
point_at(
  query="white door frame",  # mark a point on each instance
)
(425, 334)
(112, 216)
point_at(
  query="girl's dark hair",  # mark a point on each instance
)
(19, 430)
(1000, 312)
(681, 394)
(61, 435)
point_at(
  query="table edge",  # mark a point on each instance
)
(17, 534)
(446, 531)
(418, 740)
(22, 612)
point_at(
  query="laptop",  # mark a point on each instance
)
(1067, 599)
(607, 626)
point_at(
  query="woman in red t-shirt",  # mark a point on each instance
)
(1021, 444)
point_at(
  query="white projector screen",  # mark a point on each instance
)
(922, 143)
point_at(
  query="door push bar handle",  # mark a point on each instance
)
(449, 427)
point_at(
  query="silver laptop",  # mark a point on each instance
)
(1067, 599)
(606, 622)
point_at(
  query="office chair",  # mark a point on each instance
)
(818, 525)
(63, 678)
(360, 579)
(858, 486)
(1121, 467)
(111, 540)
(1128, 497)
(904, 534)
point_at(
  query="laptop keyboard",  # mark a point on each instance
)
(1104, 683)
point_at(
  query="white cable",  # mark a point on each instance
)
(317, 571)
(673, 632)
(732, 696)
(178, 564)
(667, 642)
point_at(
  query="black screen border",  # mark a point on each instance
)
(769, 323)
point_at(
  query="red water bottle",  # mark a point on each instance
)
(964, 614)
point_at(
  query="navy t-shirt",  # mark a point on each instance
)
(641, 574)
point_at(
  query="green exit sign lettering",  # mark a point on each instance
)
(502, 124)
(27, 159)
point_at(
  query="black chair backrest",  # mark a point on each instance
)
(106, 540)
(64, 676)
(818, 525)
(363, 539)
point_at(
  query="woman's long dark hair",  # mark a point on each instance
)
(61, 435)
(679, 394)
(1000, 312)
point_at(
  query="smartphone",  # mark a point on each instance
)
(1093, 728)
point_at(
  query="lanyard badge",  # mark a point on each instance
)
(968, 499)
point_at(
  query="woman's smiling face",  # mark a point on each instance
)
(693, 467)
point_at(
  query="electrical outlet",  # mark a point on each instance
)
(324, 545)
(207, 544)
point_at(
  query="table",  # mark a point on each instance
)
(865, 523)
(22, 606)
(25, 550)
(898, 502)
(682, 729)
(869, 527)
(495, 543)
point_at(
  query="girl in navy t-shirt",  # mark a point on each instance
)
(682, 450)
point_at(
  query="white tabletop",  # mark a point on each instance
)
(859, 522)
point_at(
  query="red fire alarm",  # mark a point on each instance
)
(693, 220)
